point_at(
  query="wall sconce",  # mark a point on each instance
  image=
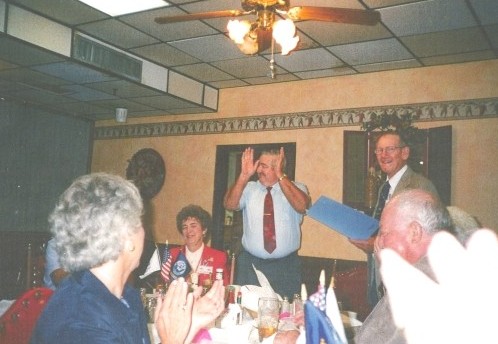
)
(121, 115)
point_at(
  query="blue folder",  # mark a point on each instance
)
(343, 219)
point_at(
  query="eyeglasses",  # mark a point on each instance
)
(388, 150)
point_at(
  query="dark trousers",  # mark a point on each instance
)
(284, 274)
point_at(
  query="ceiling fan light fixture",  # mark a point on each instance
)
(238, 29)
(284, 33)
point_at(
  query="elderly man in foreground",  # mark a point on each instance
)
(408, 223)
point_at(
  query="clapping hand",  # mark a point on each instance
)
(173, 315)
(208, 307)
(460, 306)
(279, 163)
(248, 165)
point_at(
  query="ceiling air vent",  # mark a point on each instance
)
(106, 58)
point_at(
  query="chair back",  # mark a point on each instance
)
(18, 322)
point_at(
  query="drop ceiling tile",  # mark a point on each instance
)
(73, 72)
(112, 104)
(486, 10)
(31, 77)
(167, 32)
(81, 108)
(165, 101)
(268, 80)
(458, 58)
(15, 51)
(212, 5)
(327, 3)
(305, 60)
(334, 33)
(203, 72)
(375, 67)
(427, 16)
(192, 110)
(492, 32)
(228, 83)
(40, 96)
(384, 3)
(121, 35)
(65, 11)
(314, 74)
(371, 52)
(447, 42)
(124, 89)
(87, 94)
(164, 54)
(7, 65)
(209, 48)
(247, 67)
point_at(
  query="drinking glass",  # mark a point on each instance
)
(268, 313)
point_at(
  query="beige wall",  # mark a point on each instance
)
(190, 159)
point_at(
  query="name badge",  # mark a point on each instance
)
(205, 269)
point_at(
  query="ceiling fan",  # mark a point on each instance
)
(255, 37)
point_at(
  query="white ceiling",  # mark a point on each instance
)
(411, 34)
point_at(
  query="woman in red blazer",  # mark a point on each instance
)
(193, 223)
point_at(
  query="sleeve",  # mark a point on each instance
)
(51, 264)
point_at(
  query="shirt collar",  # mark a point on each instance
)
(396, 178)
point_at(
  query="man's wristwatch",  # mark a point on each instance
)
(282, 177)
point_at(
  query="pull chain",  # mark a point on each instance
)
(272, 61)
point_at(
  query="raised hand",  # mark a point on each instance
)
(248, 165)
(279, 163)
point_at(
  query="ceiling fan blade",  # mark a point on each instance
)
(199, 16)
(334, 14)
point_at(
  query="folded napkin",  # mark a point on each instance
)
(252, 293)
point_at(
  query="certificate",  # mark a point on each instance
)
(343, 219)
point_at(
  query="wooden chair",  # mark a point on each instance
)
(18, 322)
(351, 289)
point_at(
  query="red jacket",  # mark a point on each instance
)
(211, 259)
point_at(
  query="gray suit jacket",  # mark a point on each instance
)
(413, 180)
(379, 326)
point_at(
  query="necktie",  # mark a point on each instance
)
(269, 223)
(381, 202)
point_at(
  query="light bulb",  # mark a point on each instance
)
(283, 33)
(238, 29)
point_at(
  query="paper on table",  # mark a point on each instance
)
(343, 219)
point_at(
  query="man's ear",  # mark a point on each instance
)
(416, 232)
(405, 152)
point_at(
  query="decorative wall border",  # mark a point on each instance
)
(422, 112)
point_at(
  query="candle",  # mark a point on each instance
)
(304, 292)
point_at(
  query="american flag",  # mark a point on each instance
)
(166, 264)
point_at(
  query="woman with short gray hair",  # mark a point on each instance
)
(99, 238)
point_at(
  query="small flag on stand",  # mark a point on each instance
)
(181, 268)
(166, 264)
(319, 326)
(333, 313)
(318, 298)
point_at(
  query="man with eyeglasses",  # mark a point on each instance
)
(392, 154)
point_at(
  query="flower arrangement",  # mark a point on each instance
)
(399, 124)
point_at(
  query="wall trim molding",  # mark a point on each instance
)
(421, 112)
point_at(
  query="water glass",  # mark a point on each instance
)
(268, 313)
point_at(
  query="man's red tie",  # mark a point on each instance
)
(269, 223)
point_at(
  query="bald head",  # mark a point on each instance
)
(408, 223)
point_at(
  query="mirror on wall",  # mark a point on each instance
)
(226, 233)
